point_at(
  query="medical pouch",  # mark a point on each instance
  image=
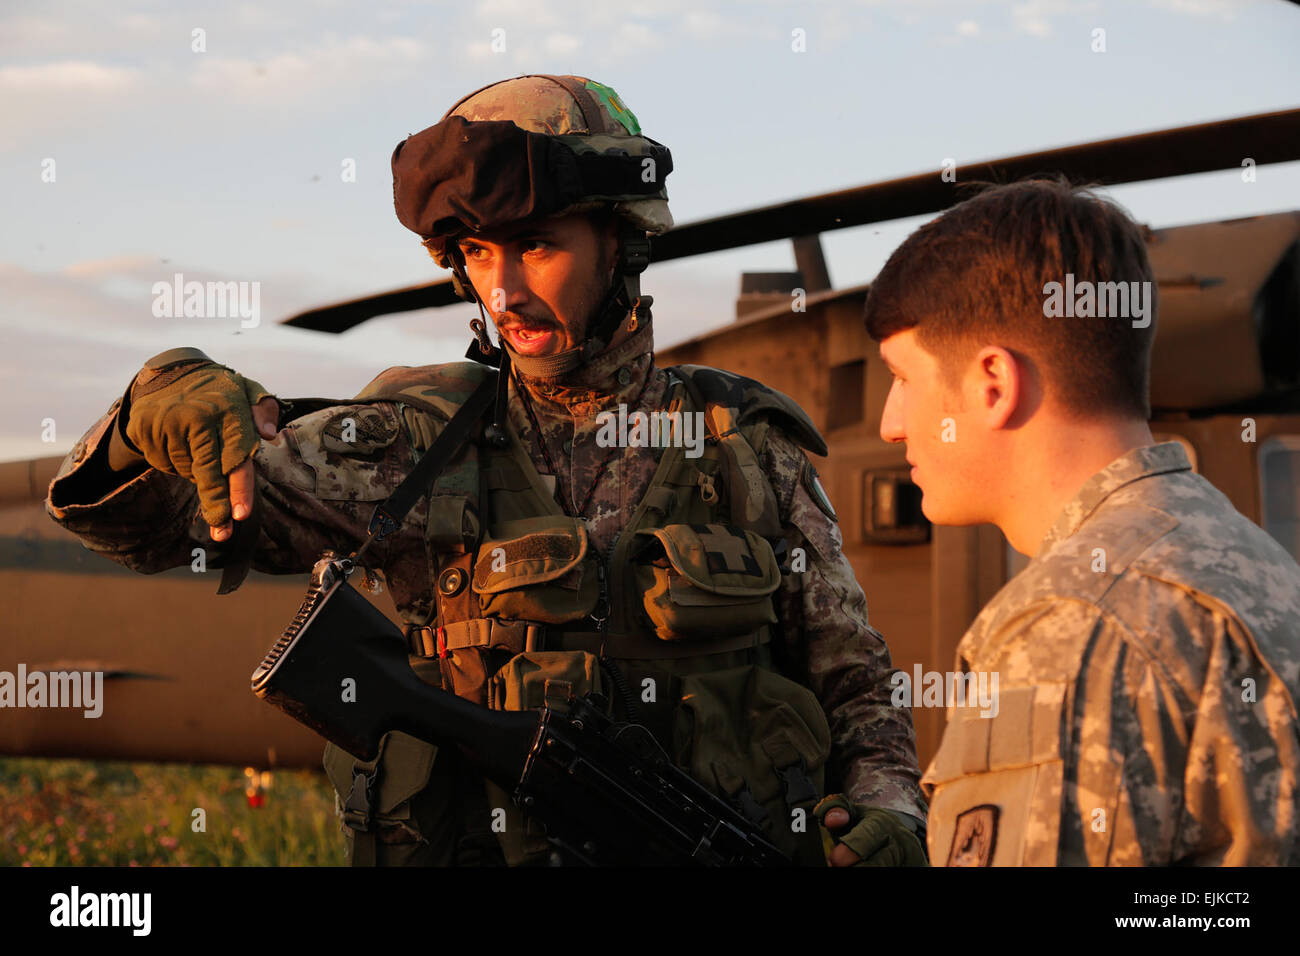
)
(705, 581)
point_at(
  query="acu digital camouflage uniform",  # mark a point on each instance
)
(317, 490)
(1149, 667)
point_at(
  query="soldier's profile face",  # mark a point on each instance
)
(943, 445)
(541, 280)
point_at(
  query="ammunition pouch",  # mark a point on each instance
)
(373, 798)
(526, 682)
(762, 741)
(532, 679)
(706, 581)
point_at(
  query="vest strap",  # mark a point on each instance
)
(523, 636)
(517, 636)
(642, 647)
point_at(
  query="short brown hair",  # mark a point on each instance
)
(977, 275)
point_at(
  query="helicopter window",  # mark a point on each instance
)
(891, 508)
(1279, 490)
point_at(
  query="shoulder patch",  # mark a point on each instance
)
(752, 399)
(813, 485)
(358, 431)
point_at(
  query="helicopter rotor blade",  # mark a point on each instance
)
(1265, 138)
(341, 316)
(1205, 147)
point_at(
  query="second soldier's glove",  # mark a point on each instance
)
(879, 837)
(188, 416)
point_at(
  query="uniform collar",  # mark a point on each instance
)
(1129, 467)
(617, 373)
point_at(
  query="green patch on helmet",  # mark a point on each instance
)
(610, 100)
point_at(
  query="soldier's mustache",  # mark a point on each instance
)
(517, 320)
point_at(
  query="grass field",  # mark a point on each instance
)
(89, 813)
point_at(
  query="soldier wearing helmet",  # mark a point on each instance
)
(699, 586)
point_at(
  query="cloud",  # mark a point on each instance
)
(1034, 17)
(1223, 9)
(110, 266)
(77, 76)
(636, 37)
(524, 14)
(704, 23)
(306, 73)
(562, 44)
(77, 33)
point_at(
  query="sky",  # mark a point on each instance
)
(148, 139)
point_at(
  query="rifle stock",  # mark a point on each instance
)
(606, 791)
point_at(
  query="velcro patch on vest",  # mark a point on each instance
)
(726, 550)
(530, 551)
(974, 837)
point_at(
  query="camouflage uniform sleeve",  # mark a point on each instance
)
(1169, 764)
(844, 660)
(1179, 748)
(315, 489)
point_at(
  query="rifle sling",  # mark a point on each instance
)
(388, 516)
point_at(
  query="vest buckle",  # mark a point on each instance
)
(708, 494)
(357, 811)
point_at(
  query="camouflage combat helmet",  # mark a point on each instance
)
(531, 147)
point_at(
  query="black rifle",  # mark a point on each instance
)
(606, 791)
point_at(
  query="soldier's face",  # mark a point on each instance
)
(943, 442)
(541, 281)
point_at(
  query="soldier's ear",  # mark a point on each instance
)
(996, 383)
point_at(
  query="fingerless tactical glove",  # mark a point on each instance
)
(188, 416)
(879, 837)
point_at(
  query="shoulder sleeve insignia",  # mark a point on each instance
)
(813, 485)
(974, 837)
(359, 430)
